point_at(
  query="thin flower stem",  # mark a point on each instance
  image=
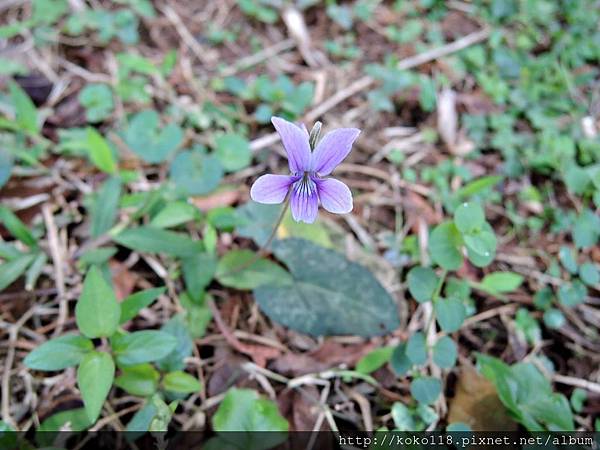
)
(262, 251)
(435, 297)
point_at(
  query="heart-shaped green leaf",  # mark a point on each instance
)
(327, 295)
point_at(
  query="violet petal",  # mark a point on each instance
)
(332, 149)
(295, 141)
(271, 188)
(335, 196)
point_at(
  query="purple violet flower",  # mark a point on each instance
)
(308, 169)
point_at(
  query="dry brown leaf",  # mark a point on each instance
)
(216, 200)
(123, 279)
(476, 404)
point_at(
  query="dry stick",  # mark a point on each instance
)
(258, 57)
(8, 362)
(366, 81)
(577, 382)
(184, 33)
(57, 261)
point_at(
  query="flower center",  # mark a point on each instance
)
(305, 186)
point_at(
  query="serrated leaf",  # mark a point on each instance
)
(97, 311)
(59, 353)
(328, 294)
(94, 378)
(132, 304)
(142, 346)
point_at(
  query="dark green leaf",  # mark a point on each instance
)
(195, 173)
(426, 389)
(240, 269)
(142, 346)
(6, 165)
(139, 380)
(59, 353)
(174, 214)
(13, 269)
(567, 259)
(25, 111)
(148, 140)
(589, 274)
(233, 151)
(100, 152)
(198, 272)
(329, 295)
(400, 361)
(501, 282)
(444, 246)
(140, 422)
(374, 360)
(422, 282)
(76, 419)
(181, 382)
(94, 378)
(132, 304)
(469, 217)
(17, 228)
(156, 240)
(97, 99)
(105, 207)
(177, 328)
(243, 410)
(416, 349)
(554, 318)
(572, 294)
(97, 312)
(450, 313)
(445, 352)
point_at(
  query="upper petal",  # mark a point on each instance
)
(304, 201)
(271, 188)
(332, 149)
(335, 196)
(295, 141)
